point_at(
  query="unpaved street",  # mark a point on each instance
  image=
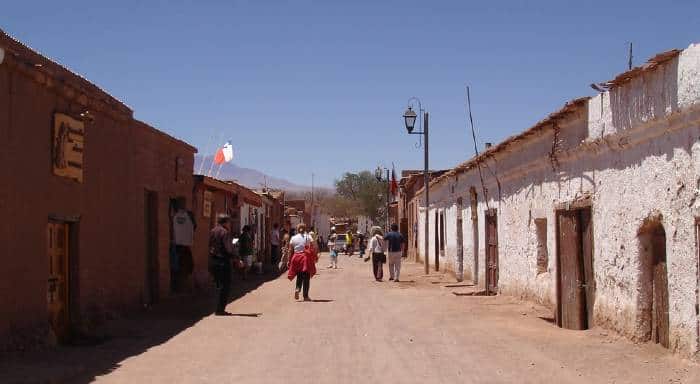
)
(422, 330)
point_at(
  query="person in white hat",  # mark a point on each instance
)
(331, 249)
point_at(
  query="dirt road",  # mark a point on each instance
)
(358, 330)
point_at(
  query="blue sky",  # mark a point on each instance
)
(320, 86)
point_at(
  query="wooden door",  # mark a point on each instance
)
(460, 246)
(403, 228)
(57, 288)
(571, 306)
(437, 241)
(587, 255)
(660, 324)
(491, 253)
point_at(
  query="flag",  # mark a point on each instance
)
(394, 185)
(224, 154)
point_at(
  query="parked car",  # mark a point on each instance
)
(340, 242)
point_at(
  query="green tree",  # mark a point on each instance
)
(364, 190)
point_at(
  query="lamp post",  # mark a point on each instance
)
(410, 121)
(378, 176)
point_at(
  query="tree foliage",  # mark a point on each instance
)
(363, 191)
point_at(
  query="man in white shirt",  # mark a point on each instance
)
(183, 227)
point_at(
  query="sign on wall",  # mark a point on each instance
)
(206, 204)
(68, 147)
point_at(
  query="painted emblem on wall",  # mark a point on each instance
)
(68, 147)
(206, 204)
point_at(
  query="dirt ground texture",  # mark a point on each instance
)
(425, 329)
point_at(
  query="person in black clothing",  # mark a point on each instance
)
(361, 243)
(245, 249)
(220, 256)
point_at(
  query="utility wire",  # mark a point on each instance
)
(476, 149)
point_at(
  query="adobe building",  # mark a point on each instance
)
(411, 182)
(212, 197)
(593, 211)
(85, 200)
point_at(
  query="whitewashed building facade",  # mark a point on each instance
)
(593, 211)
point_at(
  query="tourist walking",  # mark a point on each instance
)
(275, 245)
(376, 248)
(220, 256)
(394, 242)
(348, 244)
(333, 253)
(286, 253)
(303, 262)
(361, 243)
(245, 250)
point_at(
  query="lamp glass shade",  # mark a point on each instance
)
(409, 119)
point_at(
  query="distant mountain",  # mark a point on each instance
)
(247, 177)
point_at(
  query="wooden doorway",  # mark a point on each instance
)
(152, 264)
(475, 233)
(460, 243)
(654, 283)
(58, 302)
(491, 236)
(575, 280)
(437, 241)
(403, 228)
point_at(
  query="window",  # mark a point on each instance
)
(542, 255)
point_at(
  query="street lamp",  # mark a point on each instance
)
(410, 121)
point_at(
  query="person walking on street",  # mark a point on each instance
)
(220, 256)
(348, 244)
(286, 254)
(275, 245)
(361, 243)
(395, 249)
(245, 246)
(331, 249)
(303, 262)
(376, 247)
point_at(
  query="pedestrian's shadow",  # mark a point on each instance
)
(318, 301)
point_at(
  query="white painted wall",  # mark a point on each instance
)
(635, 151)
(321, 221)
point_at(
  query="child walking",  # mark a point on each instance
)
(331, 249)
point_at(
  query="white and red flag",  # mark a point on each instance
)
(224, 154)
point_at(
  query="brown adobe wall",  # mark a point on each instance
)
(122, 158)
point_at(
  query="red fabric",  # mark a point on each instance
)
(219, 157)
(302, 262)
(394, 184)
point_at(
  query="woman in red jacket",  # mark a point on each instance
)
(302, 265)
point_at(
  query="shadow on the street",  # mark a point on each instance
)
(548, 319)
(246, 314)
(91, 356)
